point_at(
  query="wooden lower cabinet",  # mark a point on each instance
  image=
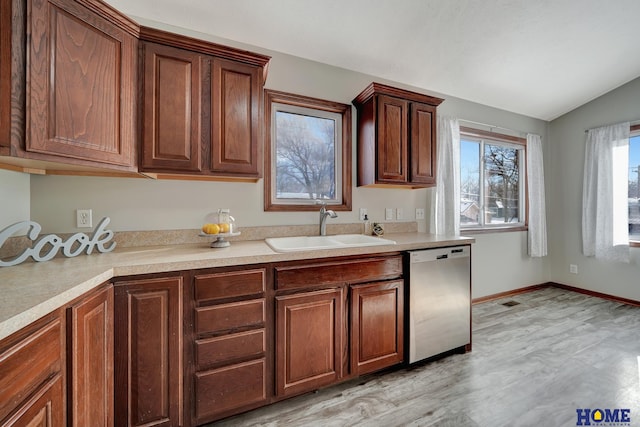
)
(309, 340)
(90, 360)
(231, 360)
(32, 375)
(231, 387)
(44, 409)
(149, 352)
(377, 325)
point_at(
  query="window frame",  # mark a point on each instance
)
(273, 99)
(505, 140)
(634, 131)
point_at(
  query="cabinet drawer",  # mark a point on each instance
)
(230, 284)
(231, 387)
(230, 316)
(229, 347)
(28, 364)
(338, 272)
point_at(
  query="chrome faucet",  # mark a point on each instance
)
(324, 213)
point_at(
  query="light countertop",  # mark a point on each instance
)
(31, 290)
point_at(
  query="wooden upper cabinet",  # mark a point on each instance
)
(235, 103)
(172, 124)
(202, 107)
(396, 137)
(392, 139)
(423, 144)
(5, 77)
(81, 84)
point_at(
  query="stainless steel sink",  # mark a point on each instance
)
(310, 243)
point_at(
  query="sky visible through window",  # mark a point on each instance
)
(634, 188)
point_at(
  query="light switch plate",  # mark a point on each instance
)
(363, 212)
(399, 214)
(388, 214)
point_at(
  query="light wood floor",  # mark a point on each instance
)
(532, 364)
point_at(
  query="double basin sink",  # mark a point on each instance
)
(311, 243)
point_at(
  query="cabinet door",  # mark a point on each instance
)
(90, 348)
(377, 326)
(309, 340)
(81, 84)
(423, 144)
(392, 139)
(5, 76)
(171, 133)
(30, 360)
(236, 99)
(149, 361)
(44, 409)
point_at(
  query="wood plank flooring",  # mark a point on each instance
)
(532, 364)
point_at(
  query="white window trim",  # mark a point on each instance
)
(294, 109)
(521, 184)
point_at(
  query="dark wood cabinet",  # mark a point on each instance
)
(309, 340)
(313, 324)
(396, 137)
(230, 345)
(149, 352)
(236, 104)
(377, 326)
(32, 375)
(81, 84)
(90, 359)
(202, 107)
(172, 122)
(5, 76)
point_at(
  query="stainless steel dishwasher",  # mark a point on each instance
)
(439, 301)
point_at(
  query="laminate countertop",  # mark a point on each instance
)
(33, 289)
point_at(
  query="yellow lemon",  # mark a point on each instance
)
(224, 227)
(211, 229)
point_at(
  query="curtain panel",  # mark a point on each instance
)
(605, 216)
(537, 236)
(448, 177)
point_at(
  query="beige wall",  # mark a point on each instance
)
(15, 201)
(500, 261)
(564, 201)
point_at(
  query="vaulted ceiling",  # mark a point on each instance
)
(539, 58)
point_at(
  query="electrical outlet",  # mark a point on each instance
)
(419, 213)
(363, 212)
(84, 218)
(573, 269)
(399, 214)
(388, 214)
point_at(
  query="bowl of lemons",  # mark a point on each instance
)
(219, 225)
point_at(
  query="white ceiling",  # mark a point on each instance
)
(540, 58)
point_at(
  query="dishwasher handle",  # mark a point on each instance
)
(439, 254)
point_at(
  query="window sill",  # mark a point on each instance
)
(487, 230)
(634, 244)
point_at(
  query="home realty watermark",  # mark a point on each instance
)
(619, 417)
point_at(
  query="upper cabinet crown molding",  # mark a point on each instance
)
(382, 89)
(185, 42)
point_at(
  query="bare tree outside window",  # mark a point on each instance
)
(491, 189)
(307, 153)
(305, 157)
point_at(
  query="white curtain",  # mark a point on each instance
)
(535, 181)
(605, 216)
(448, 177)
